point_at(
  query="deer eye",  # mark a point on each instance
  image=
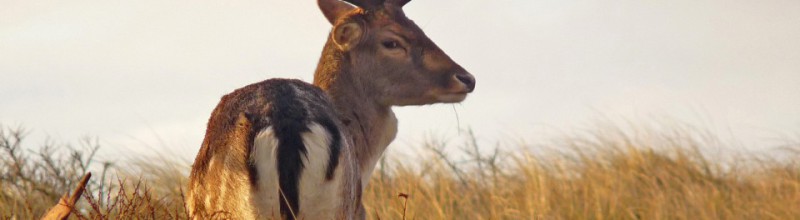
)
(390, 44)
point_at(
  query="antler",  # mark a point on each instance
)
(374, 4)
(400, 3)
(333, 9)
(367, 4)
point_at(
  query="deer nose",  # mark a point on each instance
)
(468, 80)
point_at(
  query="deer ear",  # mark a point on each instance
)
(333, 9)
(347, 35)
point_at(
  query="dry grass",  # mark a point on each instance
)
(598, 176)
(605, 173)
(32, 181)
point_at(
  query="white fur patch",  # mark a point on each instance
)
(319, 198)
(264, 156)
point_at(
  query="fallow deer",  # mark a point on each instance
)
(288, 149)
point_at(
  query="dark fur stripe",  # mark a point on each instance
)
(285, 105)
(334, 148)
(252, 170)
(289, 122)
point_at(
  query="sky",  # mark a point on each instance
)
(143, 76)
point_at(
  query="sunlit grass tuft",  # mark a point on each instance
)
(603, 173)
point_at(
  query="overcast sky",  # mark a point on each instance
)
(145, 74)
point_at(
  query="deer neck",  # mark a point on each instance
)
(370, 124)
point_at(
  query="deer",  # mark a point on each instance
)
(287, 149)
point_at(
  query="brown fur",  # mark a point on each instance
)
(213, 171)
(375, 58)
(364, 82)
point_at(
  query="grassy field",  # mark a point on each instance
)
(603, 173)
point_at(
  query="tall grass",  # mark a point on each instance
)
(603, 173)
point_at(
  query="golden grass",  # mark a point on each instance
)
(606, 173)
(636, 184)
(613, 174)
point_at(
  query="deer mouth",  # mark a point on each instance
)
(452, 97)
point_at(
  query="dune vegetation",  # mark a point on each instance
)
(603, 173)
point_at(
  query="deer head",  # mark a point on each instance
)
(377, 48)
